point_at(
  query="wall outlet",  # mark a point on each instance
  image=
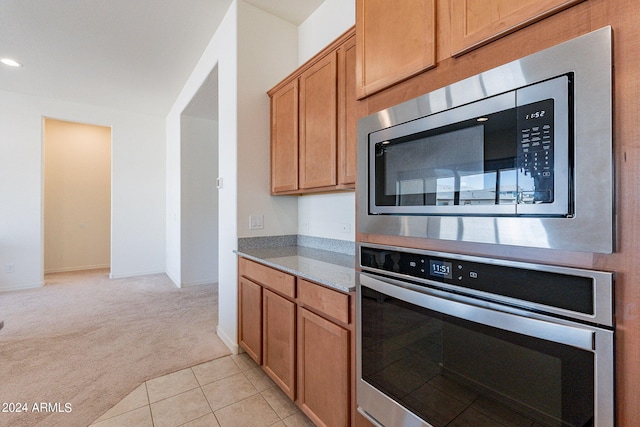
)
(256, 222)
(345, 227)
(9, 268)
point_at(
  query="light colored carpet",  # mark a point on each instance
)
(87, 341)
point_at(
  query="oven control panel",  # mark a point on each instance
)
(570, 292)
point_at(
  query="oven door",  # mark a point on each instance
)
(431, 358)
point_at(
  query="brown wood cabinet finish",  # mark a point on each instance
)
(347, 113)
(324, 374)
(271, 278)
(398, 40)
(474, 23)
(250, 318)
(395, 40)
(316, 105)
(306, 341)
(318, 123)
(284, 138)
(332, 303)
(267, 321)
(279, 341)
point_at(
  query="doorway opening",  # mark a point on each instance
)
(199, 195)
(77, 196)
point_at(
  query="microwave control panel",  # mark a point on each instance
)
(535, 152)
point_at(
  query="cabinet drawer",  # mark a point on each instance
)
(268, 277)
(332, 303)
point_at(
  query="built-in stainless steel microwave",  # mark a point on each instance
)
(517, 155)
(507, 154)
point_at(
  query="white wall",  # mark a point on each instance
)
(267, 52)
(331, 216)
(253, 50)
(326, 215)
(199, 213)
(329, 21)
(220, 52)
(138, 193)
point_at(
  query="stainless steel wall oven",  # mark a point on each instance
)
(517, 155)
(449, 340)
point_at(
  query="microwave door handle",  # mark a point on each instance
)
(442, 302)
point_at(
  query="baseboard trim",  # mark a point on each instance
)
(21, 287)
(199, 283)
(233, 346)
(134, 274)
(79, 268)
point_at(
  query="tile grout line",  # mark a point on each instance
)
(95, 422)
(241, 366)
(146, 389)
(205, 398)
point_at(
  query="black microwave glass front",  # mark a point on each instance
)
(508, 154)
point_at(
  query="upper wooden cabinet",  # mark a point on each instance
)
(318, 123)
(477, 22)
(347, 113)
(284, 138)
(313, 123)
(396, 40)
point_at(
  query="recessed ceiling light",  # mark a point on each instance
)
(10, 62)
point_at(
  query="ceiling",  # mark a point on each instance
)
(134, 55)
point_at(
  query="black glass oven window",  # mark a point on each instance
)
(467, 163)
(454, 372)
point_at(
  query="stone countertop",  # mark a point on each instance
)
(333, 269)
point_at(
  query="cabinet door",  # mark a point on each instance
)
(250, 318)
(347, 113)
(284, 138)
(477, 22)
(324, 374)
(279, 341)
(396, 40)
(318, 123)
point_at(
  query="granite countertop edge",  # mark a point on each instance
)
(338, 272)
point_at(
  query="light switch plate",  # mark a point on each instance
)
(256, 222)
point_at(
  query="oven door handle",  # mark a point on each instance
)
(452, 305)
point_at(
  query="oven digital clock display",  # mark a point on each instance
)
(440, 269)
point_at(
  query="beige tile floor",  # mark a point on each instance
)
(228, 392)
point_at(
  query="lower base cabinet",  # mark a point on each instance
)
(250, 318)
(301, 334)
(323, 371)
(279, 341)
